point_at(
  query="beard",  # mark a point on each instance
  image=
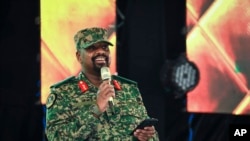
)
(97, 66)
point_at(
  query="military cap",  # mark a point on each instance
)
(89, 36)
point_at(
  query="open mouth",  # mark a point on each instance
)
(100, 60)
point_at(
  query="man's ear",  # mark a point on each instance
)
(78, 56)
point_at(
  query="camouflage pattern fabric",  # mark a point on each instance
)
(87, 37)
(69, 117)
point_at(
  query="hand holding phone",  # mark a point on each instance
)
(145, 123)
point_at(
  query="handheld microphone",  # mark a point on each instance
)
(105, 74)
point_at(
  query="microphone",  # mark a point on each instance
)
(105, 74)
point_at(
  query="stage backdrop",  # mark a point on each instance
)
(60, 20)
(218, 42)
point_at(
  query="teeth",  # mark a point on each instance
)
(100, 59)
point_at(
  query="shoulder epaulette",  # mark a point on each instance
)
(63, 81)
(122, 79)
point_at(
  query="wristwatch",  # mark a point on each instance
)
(94, 109)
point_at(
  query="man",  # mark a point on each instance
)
(78, 107)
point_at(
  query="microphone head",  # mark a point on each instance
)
(105, 73)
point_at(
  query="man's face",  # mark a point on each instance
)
(94, 57)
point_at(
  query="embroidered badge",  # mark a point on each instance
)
(83, 86)
(51, 100)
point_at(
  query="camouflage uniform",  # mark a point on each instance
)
(69, 116)
(71, 105)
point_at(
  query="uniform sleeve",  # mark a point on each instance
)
(136, 93)
(65, 123)
(155, 137)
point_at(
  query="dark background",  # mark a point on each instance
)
(151, 33)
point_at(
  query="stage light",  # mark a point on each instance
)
(179, 76)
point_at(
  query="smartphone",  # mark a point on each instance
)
(145, 123)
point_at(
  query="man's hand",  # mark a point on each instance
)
(145, 134)
(105, 92)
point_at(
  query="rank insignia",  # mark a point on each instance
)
(116, 85)
(83, 86)
(51, 100)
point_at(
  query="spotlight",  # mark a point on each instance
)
(179, 76)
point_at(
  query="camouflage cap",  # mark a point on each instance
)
(89, 36)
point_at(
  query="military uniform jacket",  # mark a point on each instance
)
(69, 116)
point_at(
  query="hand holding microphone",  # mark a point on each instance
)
(106, 91)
